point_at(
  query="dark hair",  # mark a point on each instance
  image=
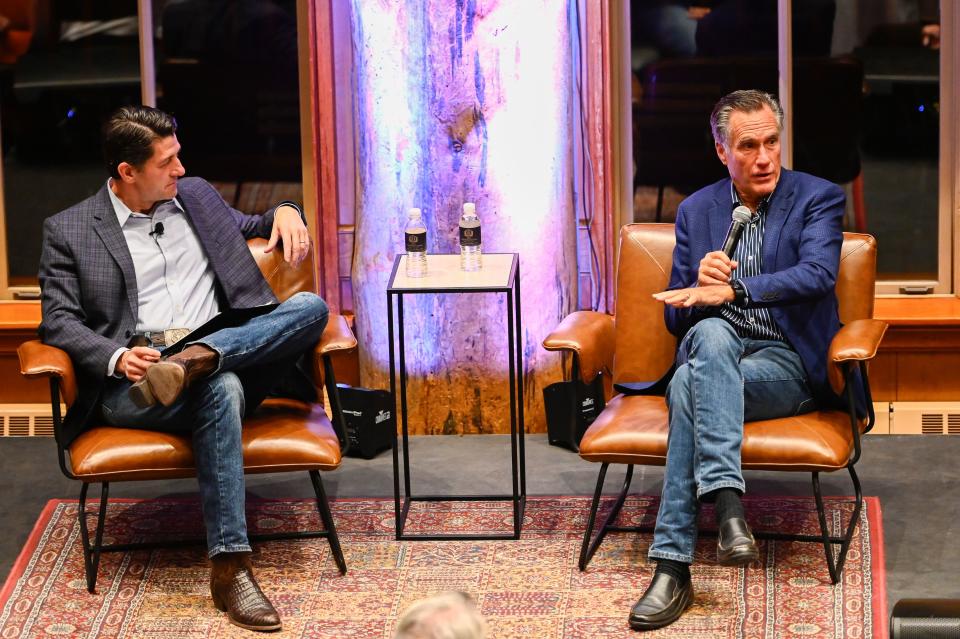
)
(129, 134)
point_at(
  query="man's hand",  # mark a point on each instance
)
(715, 268)
(697, 296)
(289, 229)
(135, 362)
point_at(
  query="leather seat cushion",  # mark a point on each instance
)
(633, 430)
(282, 435)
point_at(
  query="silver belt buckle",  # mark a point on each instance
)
(174, 335)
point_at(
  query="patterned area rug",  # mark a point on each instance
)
(529, 588)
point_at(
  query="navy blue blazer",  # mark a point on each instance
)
(803, 234)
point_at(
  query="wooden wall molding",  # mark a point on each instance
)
(18, 324)
(930, 324)
(920, 353)
(600, 95)
(918, 359)
(913, 311)
(922, 339)
(318, 134)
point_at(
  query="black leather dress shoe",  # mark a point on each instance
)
(662, 603)
(735, 543)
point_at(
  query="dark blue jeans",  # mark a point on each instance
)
(252, 357)
(721, 381)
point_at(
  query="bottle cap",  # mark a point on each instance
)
(413, 212)
(469, 207)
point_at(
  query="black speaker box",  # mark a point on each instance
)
(369, 420)
(571, 407)
(925, 619)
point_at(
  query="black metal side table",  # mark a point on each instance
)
(500, 274)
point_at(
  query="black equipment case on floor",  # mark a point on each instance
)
(571, 407)
(369, 418)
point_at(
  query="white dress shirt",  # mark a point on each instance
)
(175, 284)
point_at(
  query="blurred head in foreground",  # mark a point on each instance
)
(448, 615)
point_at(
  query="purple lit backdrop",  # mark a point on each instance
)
(455, 102)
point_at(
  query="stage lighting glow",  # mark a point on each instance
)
(536, 119)
(463, 102)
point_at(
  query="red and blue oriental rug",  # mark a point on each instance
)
(529, 588)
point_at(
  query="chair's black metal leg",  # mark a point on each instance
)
(85, 538)
(824, 530)
(101, 520)
(91, 553)
(854, 520)
(594, 505)
(835, 566)
(324, 507)
(588, 549)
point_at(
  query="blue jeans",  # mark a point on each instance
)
(253, 357)
(721, 381)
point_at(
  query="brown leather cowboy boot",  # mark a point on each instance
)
(168, 378)
(236, 592)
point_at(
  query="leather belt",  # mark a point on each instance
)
(167, 337)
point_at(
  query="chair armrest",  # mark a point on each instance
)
(42, 360)
(857, 341)
(591, 336)
(336, 338)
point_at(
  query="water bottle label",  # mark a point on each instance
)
(417, 242)
(470, 237)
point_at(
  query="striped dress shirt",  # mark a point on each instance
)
(751, 322)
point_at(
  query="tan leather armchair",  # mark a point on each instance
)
(632, 429)
(283, 435)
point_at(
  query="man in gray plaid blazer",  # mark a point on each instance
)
(146, 259)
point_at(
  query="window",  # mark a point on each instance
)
(226, 70)
(865, 106)
(65, 66)
(897, 47)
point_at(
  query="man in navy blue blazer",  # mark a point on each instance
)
(754, 329)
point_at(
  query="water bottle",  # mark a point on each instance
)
(416, 240)
(470, 258)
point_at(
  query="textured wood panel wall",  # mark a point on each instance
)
(464, 102)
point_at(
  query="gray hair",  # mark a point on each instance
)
(448, 615)
(746, 101)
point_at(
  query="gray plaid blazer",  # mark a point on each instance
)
(89, 286)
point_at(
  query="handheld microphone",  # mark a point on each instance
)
(741, 217)
(157, 230)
